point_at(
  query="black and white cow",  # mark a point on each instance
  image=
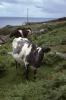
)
(24, 51)
(24, 32)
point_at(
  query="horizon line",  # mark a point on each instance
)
(29, 17)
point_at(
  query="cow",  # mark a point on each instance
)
(24, 51)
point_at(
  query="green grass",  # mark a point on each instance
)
(51, 76)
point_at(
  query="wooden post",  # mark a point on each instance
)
(27, 16)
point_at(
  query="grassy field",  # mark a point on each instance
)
(51, 76)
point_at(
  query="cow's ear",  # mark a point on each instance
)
(29, 31)
(46, 49)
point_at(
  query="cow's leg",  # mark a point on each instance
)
(35, 71)
(16, 64)
(27, 70)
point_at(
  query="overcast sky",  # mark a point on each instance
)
(36, 8)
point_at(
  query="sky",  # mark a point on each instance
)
(36, 8)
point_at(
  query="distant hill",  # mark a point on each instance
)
(58, 19)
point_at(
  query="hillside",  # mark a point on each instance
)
(59, 19)
(51, 76)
